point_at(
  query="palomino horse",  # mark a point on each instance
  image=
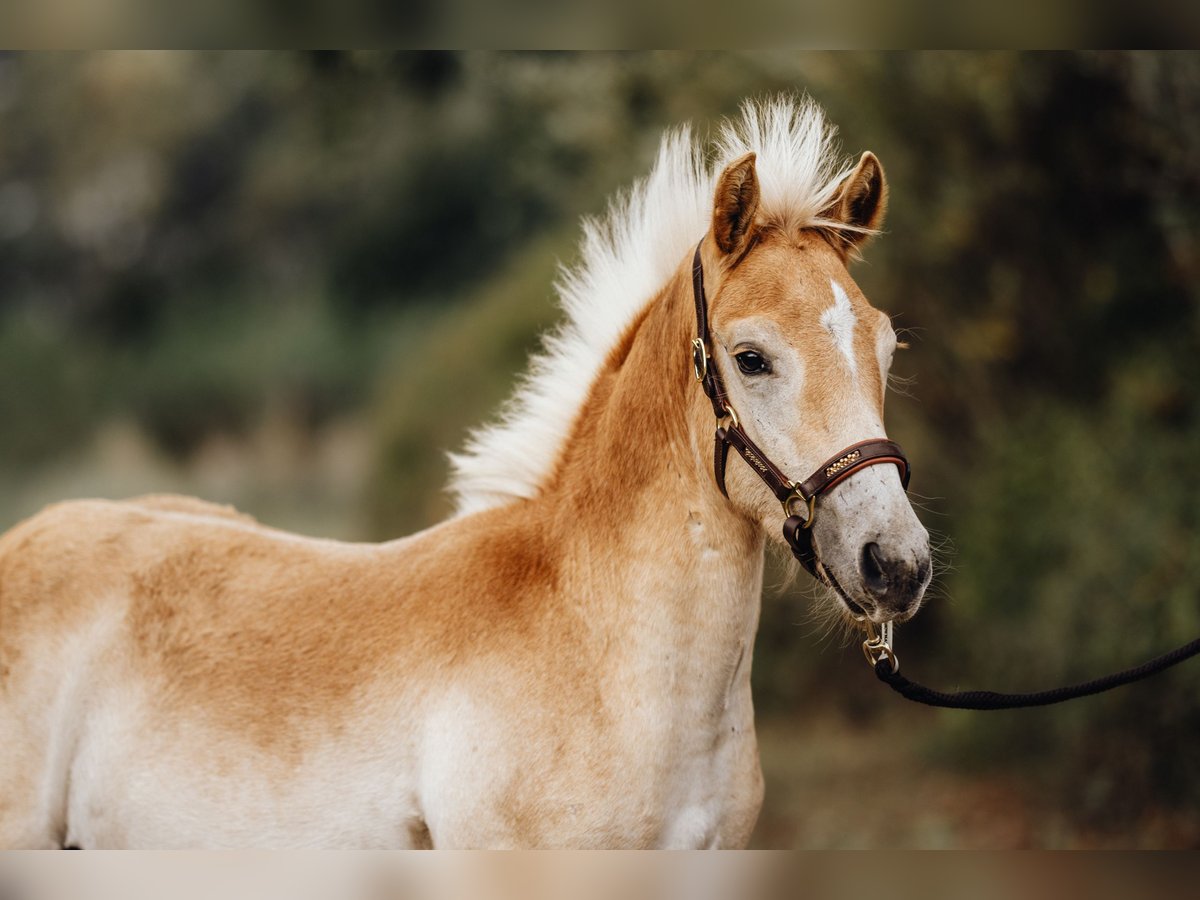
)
(566, 662)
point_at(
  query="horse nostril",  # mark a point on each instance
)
(874, 574)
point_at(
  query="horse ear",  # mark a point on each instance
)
(735, 205)
(861, 200)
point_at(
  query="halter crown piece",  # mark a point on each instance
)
(797, 531)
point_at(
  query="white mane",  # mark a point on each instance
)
(626, 257)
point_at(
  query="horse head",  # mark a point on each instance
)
(803, 358)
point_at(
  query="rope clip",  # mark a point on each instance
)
(878, 645)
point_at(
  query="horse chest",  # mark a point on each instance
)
(664, 774)
(716, 790)
(695, 750)
(690, 779)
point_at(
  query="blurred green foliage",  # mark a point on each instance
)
(195, 244)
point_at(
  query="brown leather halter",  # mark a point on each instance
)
(797, 531)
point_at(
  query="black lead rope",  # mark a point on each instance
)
(918, 693)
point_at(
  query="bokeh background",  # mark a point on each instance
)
(230, 275)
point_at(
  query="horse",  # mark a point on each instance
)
(565, 661)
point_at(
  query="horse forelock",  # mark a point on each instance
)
(625, 258)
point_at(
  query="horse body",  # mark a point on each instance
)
(572, 670)
(566, 668)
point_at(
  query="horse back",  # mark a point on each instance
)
(251, 629)
(259, 632)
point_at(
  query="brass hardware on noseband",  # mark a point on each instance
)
(733, 418)
(810, 504)
(846, 460)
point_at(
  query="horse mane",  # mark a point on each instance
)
(626, 257)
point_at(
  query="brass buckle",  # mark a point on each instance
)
(878, 645)
(809, 502)
(732, 413)
(699, 358)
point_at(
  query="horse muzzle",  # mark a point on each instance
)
(894, 579)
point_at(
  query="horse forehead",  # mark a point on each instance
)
(806, 289)
(802, 286)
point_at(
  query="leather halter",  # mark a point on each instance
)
(797, 531)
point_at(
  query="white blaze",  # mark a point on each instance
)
(839, 321)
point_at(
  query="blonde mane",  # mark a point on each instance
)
(625, 258)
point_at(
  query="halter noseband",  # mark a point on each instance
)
(797, 531)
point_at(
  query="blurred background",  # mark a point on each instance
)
(226, 275)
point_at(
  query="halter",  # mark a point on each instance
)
(797, 531)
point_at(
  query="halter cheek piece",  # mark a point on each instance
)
(797, 531)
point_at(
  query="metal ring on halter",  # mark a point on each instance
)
(699, 358)
(875, 652)
(732, 413)
(810, 502)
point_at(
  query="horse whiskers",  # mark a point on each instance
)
(901, 384)
(925, 502)
(941, 549)
(828, 617)
(789, 568)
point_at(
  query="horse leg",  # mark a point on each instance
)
(40, 712)
(31, 811)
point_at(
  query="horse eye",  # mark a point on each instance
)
(752, 363)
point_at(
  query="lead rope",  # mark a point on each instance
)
(882, 658)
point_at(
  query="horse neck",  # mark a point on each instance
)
(666, 555)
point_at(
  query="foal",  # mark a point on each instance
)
(565, 663)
